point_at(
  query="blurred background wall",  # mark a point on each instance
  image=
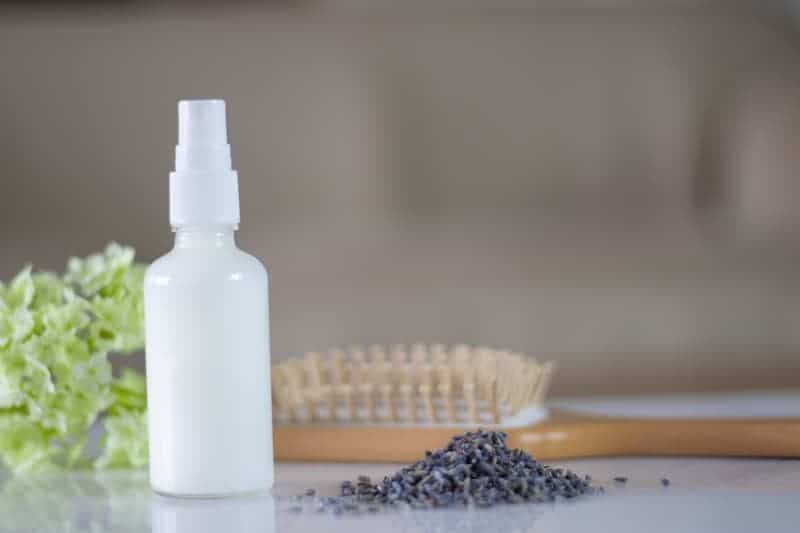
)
(612, 184)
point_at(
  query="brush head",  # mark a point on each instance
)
(420, 385)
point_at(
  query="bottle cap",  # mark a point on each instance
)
(203, 189)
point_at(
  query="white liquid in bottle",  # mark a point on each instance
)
(207, 336)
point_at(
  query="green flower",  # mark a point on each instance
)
(55, 376)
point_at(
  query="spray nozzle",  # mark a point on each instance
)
(201, 122)
(202, 137)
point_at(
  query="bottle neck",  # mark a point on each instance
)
(217, 236)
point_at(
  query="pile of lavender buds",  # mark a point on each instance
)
(476, 468)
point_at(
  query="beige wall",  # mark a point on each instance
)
(616, 189)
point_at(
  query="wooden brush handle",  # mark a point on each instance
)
(589, 437)
(360, 444)
(561, 437)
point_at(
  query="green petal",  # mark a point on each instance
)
(125, 443)
(19, 293)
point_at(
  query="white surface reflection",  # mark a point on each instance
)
(75, 501)
(731, 496)
(247, 514)
(505, 519)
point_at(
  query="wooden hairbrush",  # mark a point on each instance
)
(374, 405)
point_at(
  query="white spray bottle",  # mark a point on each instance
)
(207, 331)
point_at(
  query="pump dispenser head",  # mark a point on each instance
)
(202, 122)
(204, 189)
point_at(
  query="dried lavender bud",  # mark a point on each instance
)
(621, 479)
(475, 468)
(665, 482)
(310, 492)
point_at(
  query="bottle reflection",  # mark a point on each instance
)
(242, 515)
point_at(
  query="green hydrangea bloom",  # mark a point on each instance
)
(56, 334)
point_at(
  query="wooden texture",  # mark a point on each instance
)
(562, 436)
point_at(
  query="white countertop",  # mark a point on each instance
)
(729, 495)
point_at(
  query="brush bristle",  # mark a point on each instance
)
(420, 384)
